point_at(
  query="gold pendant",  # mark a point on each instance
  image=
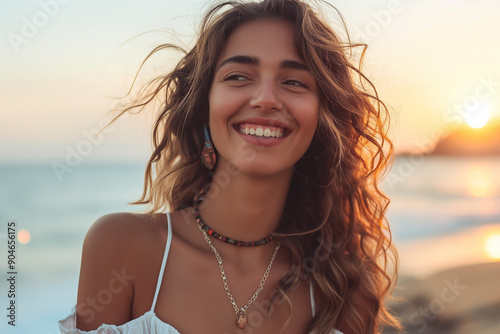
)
(242, 320)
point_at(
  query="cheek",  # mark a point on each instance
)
(308, 116)
(222, 105)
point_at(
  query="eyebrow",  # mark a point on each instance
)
(249, 60)
(240, 60)
(294, 65)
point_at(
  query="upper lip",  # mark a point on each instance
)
(264, 122)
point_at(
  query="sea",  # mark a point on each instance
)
(432, 198)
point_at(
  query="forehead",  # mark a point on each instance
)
(262, 38)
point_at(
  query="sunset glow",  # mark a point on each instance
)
(493, 246)
(477, 180)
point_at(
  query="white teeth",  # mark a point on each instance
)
(259, 132)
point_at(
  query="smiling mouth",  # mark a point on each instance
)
(262, 131)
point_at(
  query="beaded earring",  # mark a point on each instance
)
(208, 153)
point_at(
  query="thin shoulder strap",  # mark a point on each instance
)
(313, 304)
(162, 270)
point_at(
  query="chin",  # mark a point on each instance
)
(261, 169)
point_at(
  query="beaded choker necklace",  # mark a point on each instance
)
(203, 226)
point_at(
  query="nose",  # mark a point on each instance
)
(265, 97)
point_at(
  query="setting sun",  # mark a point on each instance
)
(478, 117)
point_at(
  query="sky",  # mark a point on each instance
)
(63, 63)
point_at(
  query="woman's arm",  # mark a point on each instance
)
(105, 290)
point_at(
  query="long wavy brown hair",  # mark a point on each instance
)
(334, 222)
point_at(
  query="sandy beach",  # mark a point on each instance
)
(448, 285)
(459, 301)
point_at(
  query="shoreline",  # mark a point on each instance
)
(425, 257)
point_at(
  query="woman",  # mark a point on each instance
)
(271, 154)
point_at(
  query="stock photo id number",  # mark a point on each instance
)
(11, 274)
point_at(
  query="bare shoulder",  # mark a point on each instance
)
(116, 237)
(112, 251)
(122, 228)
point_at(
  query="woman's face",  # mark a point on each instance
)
(264, 102)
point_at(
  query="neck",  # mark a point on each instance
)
(245, 207)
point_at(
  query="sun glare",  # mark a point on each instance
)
(478, 117)
(493, 246)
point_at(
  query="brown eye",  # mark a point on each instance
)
(295, 83)
(235, 77)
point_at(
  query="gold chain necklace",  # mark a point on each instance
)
(241, 312)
